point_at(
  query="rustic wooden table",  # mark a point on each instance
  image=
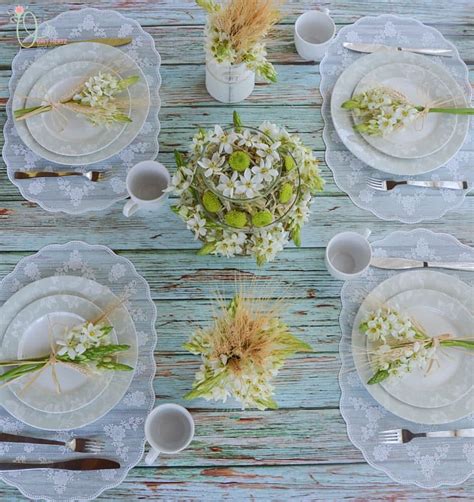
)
(301, 450)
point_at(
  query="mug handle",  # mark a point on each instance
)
(130, 208)
(151, 456)
(324, 10)
(366, 233)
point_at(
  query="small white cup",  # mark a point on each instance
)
(348, 255)
(146, 183)
(314, 31)
(169, 428)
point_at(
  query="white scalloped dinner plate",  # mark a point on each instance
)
(61, 130)
(355, 142)
(117, 61)
(31, 333)
(399, 283)
(422, 87)
(450, 376)
(119, 318)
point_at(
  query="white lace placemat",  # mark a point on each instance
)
(77, 194)
(350, 173)
(122, 428)
(426, 463)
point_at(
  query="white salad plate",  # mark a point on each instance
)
(420, 87)
(90, 52)
(426, 280)
(33, 333)
(451, 375)
(62, 130)
(119, 318)
(355, 142)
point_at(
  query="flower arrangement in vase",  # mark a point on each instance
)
(234, 48)
(245, 190)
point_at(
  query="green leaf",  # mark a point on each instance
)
(267, 403)
(175, 209)
(19, 371)
(296, 236)
(209, 6)
(204, 387)
(127, 82)
(465, 344)
(237, 120)
(232, 307)
(106, 329)
(113, 366)
(207, 249)
(350, 104)
(380, 376)
(179, 159)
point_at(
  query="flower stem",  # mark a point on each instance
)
(456, 111)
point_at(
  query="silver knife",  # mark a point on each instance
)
(80, 464)
(380, 47)
(404, 263)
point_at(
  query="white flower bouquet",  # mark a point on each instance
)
(246, 191)
(235, 30)
(400, 345)
(382, 110)
(97, 98)
(86, 348)
(242, 352)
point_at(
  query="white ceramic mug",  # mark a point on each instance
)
(314, 31)
(146, 183)
(169, 428)
(348, 255)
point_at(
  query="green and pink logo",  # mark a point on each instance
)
(26, 26)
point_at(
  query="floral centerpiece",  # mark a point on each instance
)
(235, 50)
(242, 352)
(244, 190)
(401, 345)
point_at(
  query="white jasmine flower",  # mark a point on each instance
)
(265, 170)
(197, 225)
(227, 185)
(248, 185)
(269, 152)
(213, 165)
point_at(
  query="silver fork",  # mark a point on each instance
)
(90, 175)
(80, 445)
(386, 185)
(399, 436)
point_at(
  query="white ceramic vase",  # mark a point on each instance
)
(229, 83)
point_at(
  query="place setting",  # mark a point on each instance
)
(82, 113)
(396, 114)
(76, 359)
(406, 350)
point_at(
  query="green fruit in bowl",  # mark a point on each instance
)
(237, 219)
(262, 218)
(286, 193)
(211, 202)
(239, 161)
(289, 163)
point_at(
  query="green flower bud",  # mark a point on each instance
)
(237, 219)
(289, 163)
(239, 161)
(286, 193)
(262, 218)
(211, 202)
